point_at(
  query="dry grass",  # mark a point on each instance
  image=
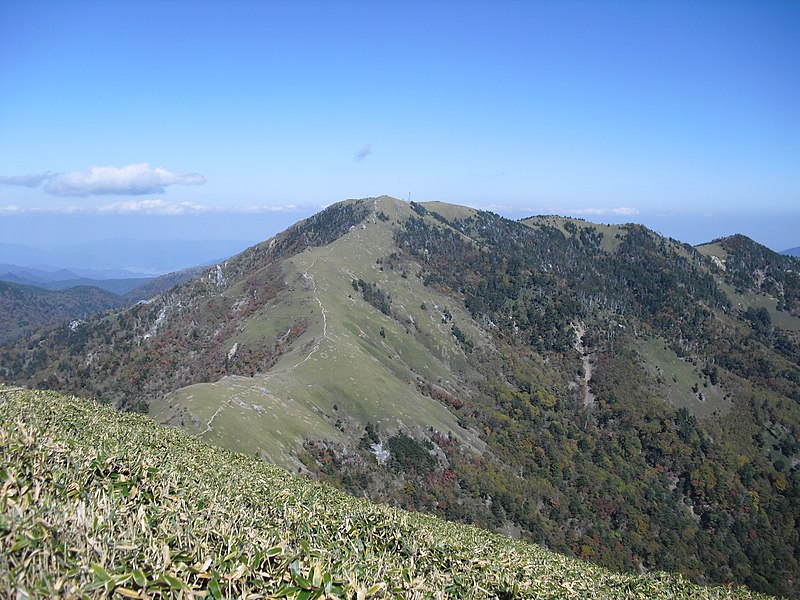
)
(98, 504)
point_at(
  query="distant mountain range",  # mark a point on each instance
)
(64, 279)
(35, 293)
(119, 258)
(31, 299)
(792, 251)
(614, 394)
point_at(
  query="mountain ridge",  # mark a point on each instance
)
(119, 287)
(600, 388)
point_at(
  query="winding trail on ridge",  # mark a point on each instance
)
(266, 376)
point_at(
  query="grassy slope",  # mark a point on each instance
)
(677, 377)
(449, 211)
(93, 502)
(781, 319)
(341, 360)
(610, 232)
(743, 301)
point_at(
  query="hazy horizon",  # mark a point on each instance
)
(211, 120)
(248, 229)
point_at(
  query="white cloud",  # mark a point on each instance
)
(31, 181)
(159, 207)
(265, 208)
(130, 180)
(155, 207)
(133, 179)
(624, 211)
(151, 207)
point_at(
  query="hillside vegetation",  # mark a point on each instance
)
(602, 390)
(97, 503)
(27, 307)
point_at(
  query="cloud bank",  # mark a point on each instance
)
(624, 211)
(30, 181)
(131, 180)
(154, 207)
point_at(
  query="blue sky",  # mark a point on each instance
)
(230, 120)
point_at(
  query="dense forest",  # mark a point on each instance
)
(26, 308)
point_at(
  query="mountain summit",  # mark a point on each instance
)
(614, 394)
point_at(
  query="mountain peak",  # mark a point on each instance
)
(578, 384)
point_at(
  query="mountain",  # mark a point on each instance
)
(115, 286)
(755, 278)
(613, 394)
(26, 308)
(792, 251)
(149, 288)
(163, 512)
(45, 273)
(29, 274)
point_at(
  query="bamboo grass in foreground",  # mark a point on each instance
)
(94, 503)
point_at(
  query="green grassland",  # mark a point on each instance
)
(713, 249)
(742, 300)
(94, 503)
(612, 234)
(449, 211)
(351, 366)
(678, 378)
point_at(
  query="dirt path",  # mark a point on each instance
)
(313, 285)
(587, 396)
